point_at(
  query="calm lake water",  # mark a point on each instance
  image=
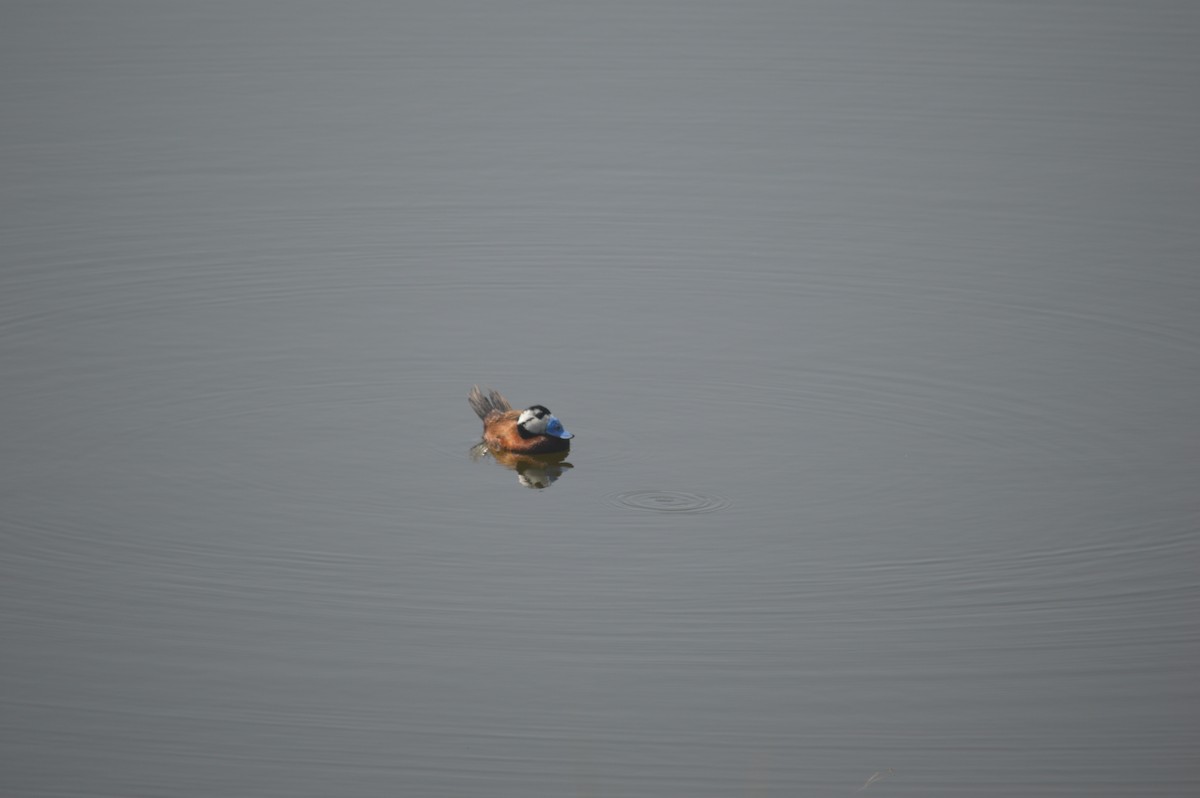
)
(877, 323)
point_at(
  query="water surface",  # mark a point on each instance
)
(876, 323)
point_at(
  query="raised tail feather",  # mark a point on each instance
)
(484, 404)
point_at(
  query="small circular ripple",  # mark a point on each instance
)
(668, 501)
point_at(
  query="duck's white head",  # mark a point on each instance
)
(538, 420)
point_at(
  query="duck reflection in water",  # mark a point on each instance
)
(532, 442)
(533, 470)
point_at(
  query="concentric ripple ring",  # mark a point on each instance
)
(668, 501)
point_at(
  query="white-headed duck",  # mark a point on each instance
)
(534, 430)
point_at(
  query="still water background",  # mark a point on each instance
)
(878, 325)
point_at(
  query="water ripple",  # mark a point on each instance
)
(668, 501)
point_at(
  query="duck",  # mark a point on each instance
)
(534, 430)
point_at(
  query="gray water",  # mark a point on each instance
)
(877, 323)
